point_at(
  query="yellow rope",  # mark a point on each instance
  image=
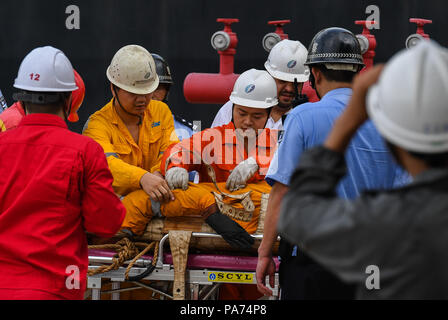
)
(125, 250)
(154, 259)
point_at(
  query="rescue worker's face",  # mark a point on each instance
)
(131, 102)
(285, 92)
(160, 93)
(249, 118)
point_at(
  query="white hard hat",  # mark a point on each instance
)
(133, 69)
(255, 89)
(286, 61)
(46, 69)
(409, 104)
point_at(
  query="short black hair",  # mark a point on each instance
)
(335, 75)
(51, 107)
(432, 160)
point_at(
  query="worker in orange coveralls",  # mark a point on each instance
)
(239, 162)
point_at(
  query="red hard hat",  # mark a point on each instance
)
(77, 97)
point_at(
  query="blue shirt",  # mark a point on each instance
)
(370, 165)
(184, 132)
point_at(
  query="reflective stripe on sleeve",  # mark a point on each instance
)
(108, 154)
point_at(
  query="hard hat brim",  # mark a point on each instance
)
(30, 88)
(286, 76)
(324, 61)
(252, 104)
(133, 89)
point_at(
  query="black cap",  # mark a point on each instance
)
(162, 69)
(334, 45)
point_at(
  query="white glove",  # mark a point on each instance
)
(177, 178)
(242, 172)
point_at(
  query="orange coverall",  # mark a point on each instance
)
(198, 197)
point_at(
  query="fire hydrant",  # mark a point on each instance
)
(272, 38)
(415, 38)
(367, 42)
(215, 88)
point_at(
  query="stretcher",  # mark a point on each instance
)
(202, 276)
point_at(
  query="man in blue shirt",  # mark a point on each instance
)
(334, 58)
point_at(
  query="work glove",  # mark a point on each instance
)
(177, 178)
(231, 231)
(242, 172)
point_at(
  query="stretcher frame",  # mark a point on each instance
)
(199, 286)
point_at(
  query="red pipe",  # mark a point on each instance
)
(215, 88)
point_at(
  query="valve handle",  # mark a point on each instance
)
(227, 23)
(279, 27)
(279, 23)
(365, 25)
(420, 23)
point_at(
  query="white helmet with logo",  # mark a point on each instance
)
(133, 69)
(46, 69)
(409, 104)
(286, 61)
(255, 89)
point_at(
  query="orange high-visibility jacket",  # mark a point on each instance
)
(220, 147)
(129, 161)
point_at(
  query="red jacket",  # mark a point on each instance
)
(54, 186)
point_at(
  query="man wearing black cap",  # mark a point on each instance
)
(334, 57)
(184, 128)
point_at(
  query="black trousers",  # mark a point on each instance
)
(301, 278)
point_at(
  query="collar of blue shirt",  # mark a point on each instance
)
(338, 91)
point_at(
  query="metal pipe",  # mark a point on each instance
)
(152, 289)
(120, 290)
(108, 260)
(213, 289)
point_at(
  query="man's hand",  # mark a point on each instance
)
(177, 178)
(265, 267)
(242, 172)
(265, 264)
(355, 113)
(156, 187)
